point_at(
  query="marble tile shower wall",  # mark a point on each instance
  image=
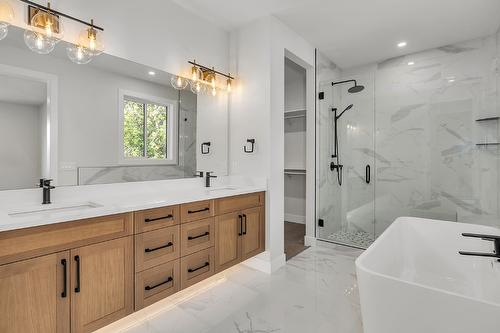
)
(427, 160)
(416, 126)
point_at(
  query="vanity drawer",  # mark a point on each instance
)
(197, 267)
(157, 283)
(239, 202)
(156, 247)
(152, 219)
(197, 236)
(197, 210)
(37, 241)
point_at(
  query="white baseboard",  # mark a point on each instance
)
(309, 241)
(295, 218)
(263, 262)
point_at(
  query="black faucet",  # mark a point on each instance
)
(207, 178)
(492, 238)
(45, 185)
(198, 174)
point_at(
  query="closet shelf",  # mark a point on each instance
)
(295, 172)
(487, 119)
(295, 114)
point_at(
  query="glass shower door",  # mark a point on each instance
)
(345, 197)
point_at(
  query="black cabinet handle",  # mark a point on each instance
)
(147, 250)
(77, 288)
(65, 278)
(198, 211)
(245, 224)
(199, 236)
(170, 279)
(368, 174)
(191, 270)
(169, 216)
(240, 219)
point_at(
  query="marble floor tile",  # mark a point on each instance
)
(315, 292)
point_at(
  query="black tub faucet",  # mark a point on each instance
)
(208, 175)
(46, 187)
(492, 238)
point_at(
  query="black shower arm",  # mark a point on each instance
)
(346, 81)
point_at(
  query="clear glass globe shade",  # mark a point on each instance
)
(198, 87)
(6, 13)
(91, 39)
(178, 82)
(4, 30)
(78, 54)
(39, 43)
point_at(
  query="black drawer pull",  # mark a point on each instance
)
(199, 236)
(170, 279)
(65, 277)
(169, 244)
(245, 224)
(169, 216)
(240, 229)
(191, 270)
(199, 210)
(77, 288)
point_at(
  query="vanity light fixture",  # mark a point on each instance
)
(6, 18)
(44, 31)
(88, 46)
(203, 77)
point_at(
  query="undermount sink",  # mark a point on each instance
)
(51, 209)
(412, 279)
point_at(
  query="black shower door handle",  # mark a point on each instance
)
(368, 174)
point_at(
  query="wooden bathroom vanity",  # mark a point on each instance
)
(81, 275)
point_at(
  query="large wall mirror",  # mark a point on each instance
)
(109, 121)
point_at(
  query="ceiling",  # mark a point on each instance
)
(353, 33)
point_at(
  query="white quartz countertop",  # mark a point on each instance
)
(22, 208)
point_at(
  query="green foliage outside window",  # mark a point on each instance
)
(139, 134)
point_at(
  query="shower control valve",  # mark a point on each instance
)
(334, 166)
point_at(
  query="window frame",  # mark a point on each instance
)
(172, 129)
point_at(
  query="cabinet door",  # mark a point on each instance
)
(33, 296)
(252, 239)
(227, 240)
(102, 284)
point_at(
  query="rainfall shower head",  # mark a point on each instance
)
(357, 88)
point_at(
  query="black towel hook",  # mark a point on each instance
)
(252, 147)
(203, 145)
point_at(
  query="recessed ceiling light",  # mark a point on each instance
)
(411, 63)
(451, 79)
(152, 73)
(402, 44)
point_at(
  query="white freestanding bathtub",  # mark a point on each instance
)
(412, 280)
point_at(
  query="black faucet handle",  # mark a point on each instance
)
(47, 183)
(492, 238)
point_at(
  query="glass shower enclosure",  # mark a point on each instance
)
(421, 139)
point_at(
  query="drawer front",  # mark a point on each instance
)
(156, 247)
(157, 283)
(197, 236)
(156, 218)
(239, 202)
(197, 267)
(32, 242)
(197, 210)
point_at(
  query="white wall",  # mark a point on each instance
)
(19, 145)
(156, 33)
(258, 57)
